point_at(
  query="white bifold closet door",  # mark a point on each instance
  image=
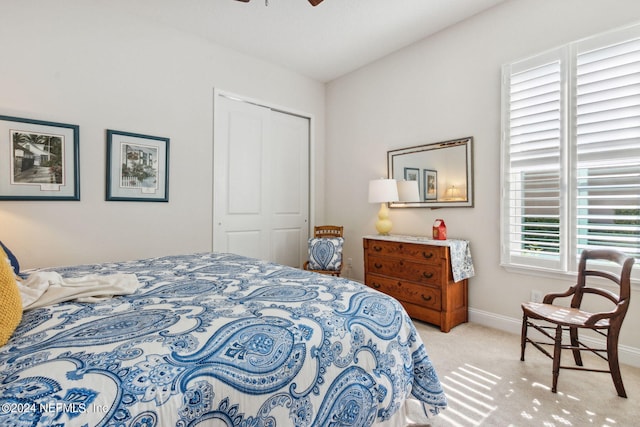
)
(261, 182)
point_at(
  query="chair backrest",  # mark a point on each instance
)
(327, 231)
(622, 278)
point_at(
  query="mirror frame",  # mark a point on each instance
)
(468, 142)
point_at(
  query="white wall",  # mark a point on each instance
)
(93, 64)
(446, 87)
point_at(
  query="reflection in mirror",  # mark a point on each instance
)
(443, 172)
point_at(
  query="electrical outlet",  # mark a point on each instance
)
(349, 267)
(536, 296)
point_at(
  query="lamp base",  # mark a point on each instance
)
(383, 225)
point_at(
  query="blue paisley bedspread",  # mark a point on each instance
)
(217, 339)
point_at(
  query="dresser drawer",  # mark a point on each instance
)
(421, 295)
(413, 251)
(417, 272)
(404, 269)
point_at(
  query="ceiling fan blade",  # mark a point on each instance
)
(244, 1)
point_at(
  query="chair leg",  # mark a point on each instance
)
(557, 351)
(573, 333)
(614, 365)
(523, 336)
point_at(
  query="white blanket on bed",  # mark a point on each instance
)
(41, 289)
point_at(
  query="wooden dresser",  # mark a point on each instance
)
(417, 272)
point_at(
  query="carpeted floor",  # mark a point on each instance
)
(487, 385)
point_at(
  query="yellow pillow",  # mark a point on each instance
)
(10, 302)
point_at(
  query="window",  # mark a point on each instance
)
(571, 153)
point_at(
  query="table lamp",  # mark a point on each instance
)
(383, 191)
(408, 192)
(453, 193)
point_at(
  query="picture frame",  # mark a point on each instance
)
(430, 178)
(137, 167)
(43, 160)
(413, 174)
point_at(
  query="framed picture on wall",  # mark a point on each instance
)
(137, 167)
(41, 160)
(430, 184)
(413, 174)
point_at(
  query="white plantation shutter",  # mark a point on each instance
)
(533, 177)
(608, 147)
(571, 153)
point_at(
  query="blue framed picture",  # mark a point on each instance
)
(412, 174)
(430, 184)
(137, 167)
(42, 160)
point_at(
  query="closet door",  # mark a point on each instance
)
(261, 182)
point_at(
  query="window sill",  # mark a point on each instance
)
(557, 275)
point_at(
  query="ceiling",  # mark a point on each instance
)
(322, 42)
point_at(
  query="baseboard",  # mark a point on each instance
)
(626, 354)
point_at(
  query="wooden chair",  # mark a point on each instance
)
(558, 319)
(326, 231)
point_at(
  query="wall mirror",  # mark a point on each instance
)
(443, 171)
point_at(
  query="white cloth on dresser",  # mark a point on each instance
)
(45, 288)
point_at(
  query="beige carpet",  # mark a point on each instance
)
(487, 385)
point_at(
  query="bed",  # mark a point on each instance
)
(219, 339)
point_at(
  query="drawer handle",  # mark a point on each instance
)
(426, 298)
(375, 285)
(377, 248)
(427, 255)
(376, 265)
(427, 275)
